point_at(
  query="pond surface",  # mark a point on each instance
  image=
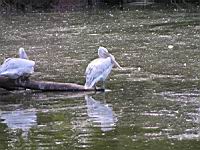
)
(154, 103)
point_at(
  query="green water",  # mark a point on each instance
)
(154, 103)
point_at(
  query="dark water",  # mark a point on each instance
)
(154, 103)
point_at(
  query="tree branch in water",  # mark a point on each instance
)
(18, 84)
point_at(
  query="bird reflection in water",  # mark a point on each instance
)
(19, 119)
(101, 114)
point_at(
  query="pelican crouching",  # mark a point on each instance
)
(17, 67)
(100, 68)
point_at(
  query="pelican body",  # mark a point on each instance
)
(17, 67)
(100, 68)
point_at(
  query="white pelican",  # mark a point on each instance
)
(99, 69)
(17, 67)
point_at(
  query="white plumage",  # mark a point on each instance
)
(17, 67)
(100, 68)
(22, 53)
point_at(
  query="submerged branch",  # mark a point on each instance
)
(10, 84)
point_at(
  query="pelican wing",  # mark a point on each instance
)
(97, 70)
(16, 67)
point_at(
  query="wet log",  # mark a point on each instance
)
(18, 84)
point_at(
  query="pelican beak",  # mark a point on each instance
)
(117, 65)
(115, 62)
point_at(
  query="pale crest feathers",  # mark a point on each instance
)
(102, 52)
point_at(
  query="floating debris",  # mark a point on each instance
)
(170, 46)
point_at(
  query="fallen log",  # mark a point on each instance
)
(11, 84)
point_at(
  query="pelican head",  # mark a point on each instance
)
(103, 53)
(22, 53)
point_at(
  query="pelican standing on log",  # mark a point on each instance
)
(15, 68)
(100, 68)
